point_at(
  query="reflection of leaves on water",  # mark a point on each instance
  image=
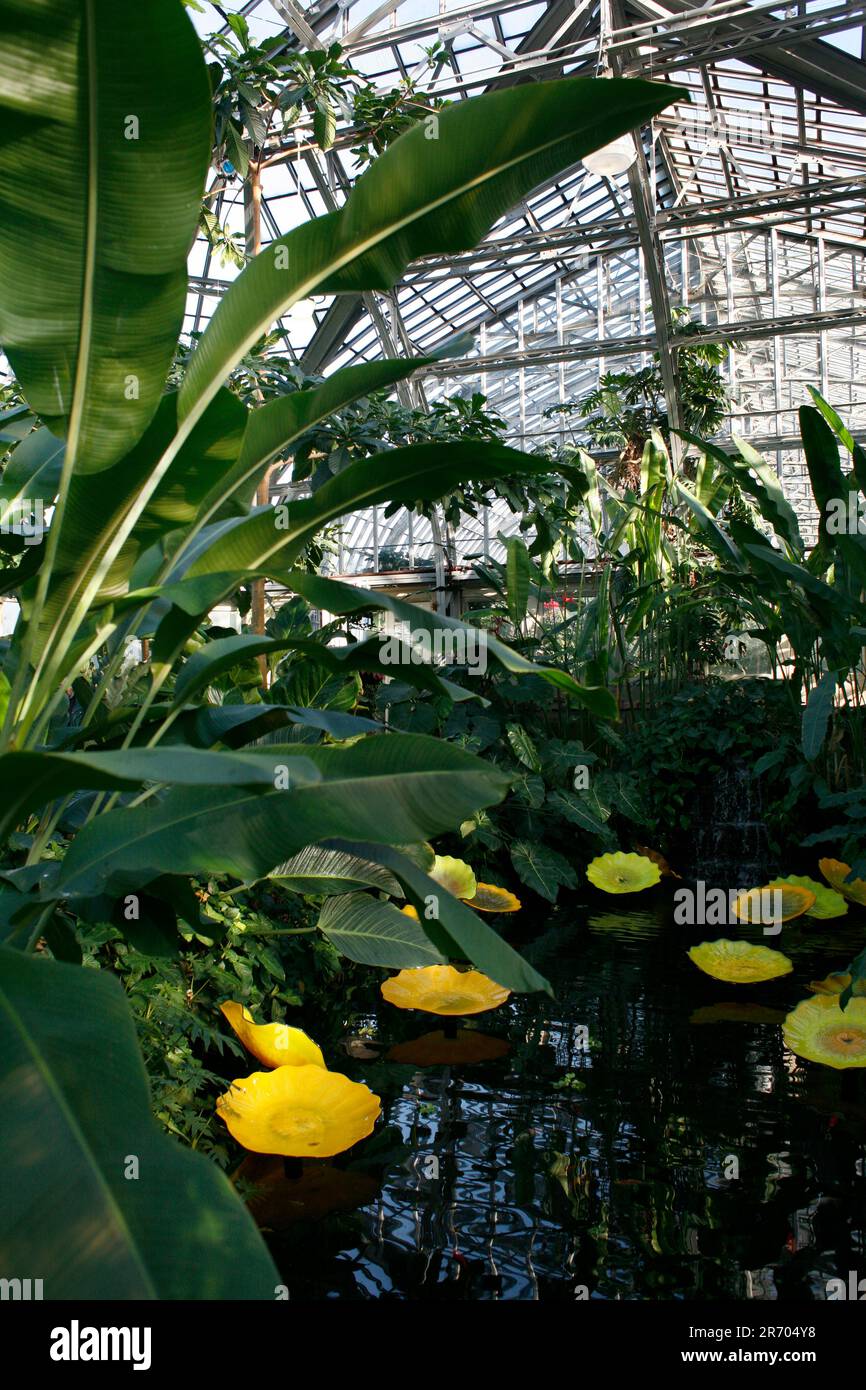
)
(625, 923)
(551, 942)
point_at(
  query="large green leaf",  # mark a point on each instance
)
(30, 779)
(717, 537)
(816, 715)
(758, 479)
(830, 485)
(237, 725)
(307, 682)
(541, 868)
(372, 932)
(96, 1200)
(344, 599)
(222, 654)
(840, 429)
(273, 427)
(95, 506)
(457, 930)
(410, 475)
(422, 196)
(105, 146)
(31, 475)
(518, 571)
(324, 872)
(405, 786)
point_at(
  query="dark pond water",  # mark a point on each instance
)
(647, 1136)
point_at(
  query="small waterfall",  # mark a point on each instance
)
(729, 847)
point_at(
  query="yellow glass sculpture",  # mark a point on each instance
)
(299, 1111)
(489, 897)
(820, 1031)
(836, 873)
(440, 989)
(273, 1044)
(759, 904)
(828, 902)
(622, 873)
(739, 962)
(454, 875)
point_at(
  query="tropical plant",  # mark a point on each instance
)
(121, 810)
(624, 409)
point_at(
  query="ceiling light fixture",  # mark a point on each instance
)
(618, 155)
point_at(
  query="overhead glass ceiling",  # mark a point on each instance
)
(754, 188)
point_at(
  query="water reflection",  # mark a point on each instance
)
(623, 1148)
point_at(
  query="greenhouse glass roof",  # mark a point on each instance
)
(747, 209)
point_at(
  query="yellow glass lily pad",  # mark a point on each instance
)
(836, 983)
(828, 902)
(454, 875)
(301, 1112)
(440, 989)
(622, 873)
(739, 962)
(273, 1044)
(820, 1031)
(489, 897)
(836, 873)
(779, 901)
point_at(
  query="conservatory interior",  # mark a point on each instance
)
(433, 530)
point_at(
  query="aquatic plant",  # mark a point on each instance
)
(739, 962)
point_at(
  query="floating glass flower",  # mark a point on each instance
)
(761, 904)
(274, 1044)
(828, 903)
(836, 873)
(622, 873)
(822, 1032)
(300, 1111)
(440, 989)
(458, 879)
(489, 897)
(454, 875)
(836, 984)
(739, 961)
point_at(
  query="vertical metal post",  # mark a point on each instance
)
(822, 305)
(599, 310)
(774, 290)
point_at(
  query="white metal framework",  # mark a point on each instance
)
(747, 206)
